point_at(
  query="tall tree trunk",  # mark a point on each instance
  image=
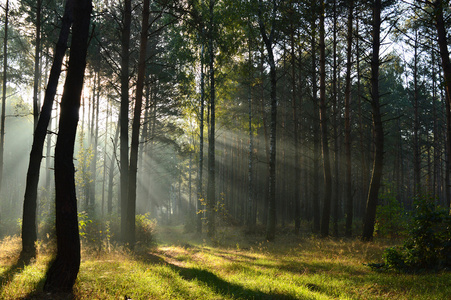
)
(105, 145)
(416, 124)
(200, 194)
(250, 201)
(349, 196)
(316, 135)
(31, 187)
(37, 66)
(64, 269)
(133, 169)
(370, 211)
(297, 167)
(125, 61)
(335, 114)
(446, 66)
(211, 189)
(95, 137)
(111, 172)
(324, 131)
(269, 40)
(3, 113)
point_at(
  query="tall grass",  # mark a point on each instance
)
(184, 266)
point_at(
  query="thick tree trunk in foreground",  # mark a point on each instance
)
(64, 269)
(133, 169)
(370, 212)
(31, 188)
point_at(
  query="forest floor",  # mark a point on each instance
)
(183, 266)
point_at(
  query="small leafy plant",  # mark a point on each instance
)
(428, 246)
(391, 218)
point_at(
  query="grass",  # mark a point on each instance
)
(183, 266)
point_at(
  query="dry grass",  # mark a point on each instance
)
(184, 266)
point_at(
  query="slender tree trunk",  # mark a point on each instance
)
(133, 169)
(370, 212)
(211, 189)
(363, 158)
(269, 40)
(105, 145)
(335, 114)
(37, 67)
(125, 60)
(31, 188)
(200, 194)
(316, 136)
(95, 138)
(64, 269)
(3, 113)
(111, 172)
(250, 200)
(297, 168)
(349, 198)
(416, 124)
(446, 66)
(324, 131)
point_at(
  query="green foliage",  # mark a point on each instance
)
(428, 246)
(100, 234)
(391, 218)
(145, 229)
(95, 234)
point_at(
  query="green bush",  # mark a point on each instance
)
(145, 229)
(428, 246)
(391, 218)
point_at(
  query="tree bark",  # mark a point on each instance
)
(250, 201)
(200, 193)
(3, 113)
(297, 168)
(125, 61)
(316, 135)
(416, 124)
(63, 272)
(133, 169)
(31, 187)
(111, 172)
(446, 66)
(37, 67)
(211, 189)
(269, 40)
(378, 130)
(349, 198)
(324, 131)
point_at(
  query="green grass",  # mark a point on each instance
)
(183, 266)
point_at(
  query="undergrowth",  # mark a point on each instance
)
(186, 266)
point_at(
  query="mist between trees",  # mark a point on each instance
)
(262, 114)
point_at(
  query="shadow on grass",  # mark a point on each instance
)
(216, 283)
(224, 287)
(16, 268)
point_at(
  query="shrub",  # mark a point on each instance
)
(391, 218)
(145, 229)
(428, 246)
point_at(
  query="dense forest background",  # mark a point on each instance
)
(252, 113)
